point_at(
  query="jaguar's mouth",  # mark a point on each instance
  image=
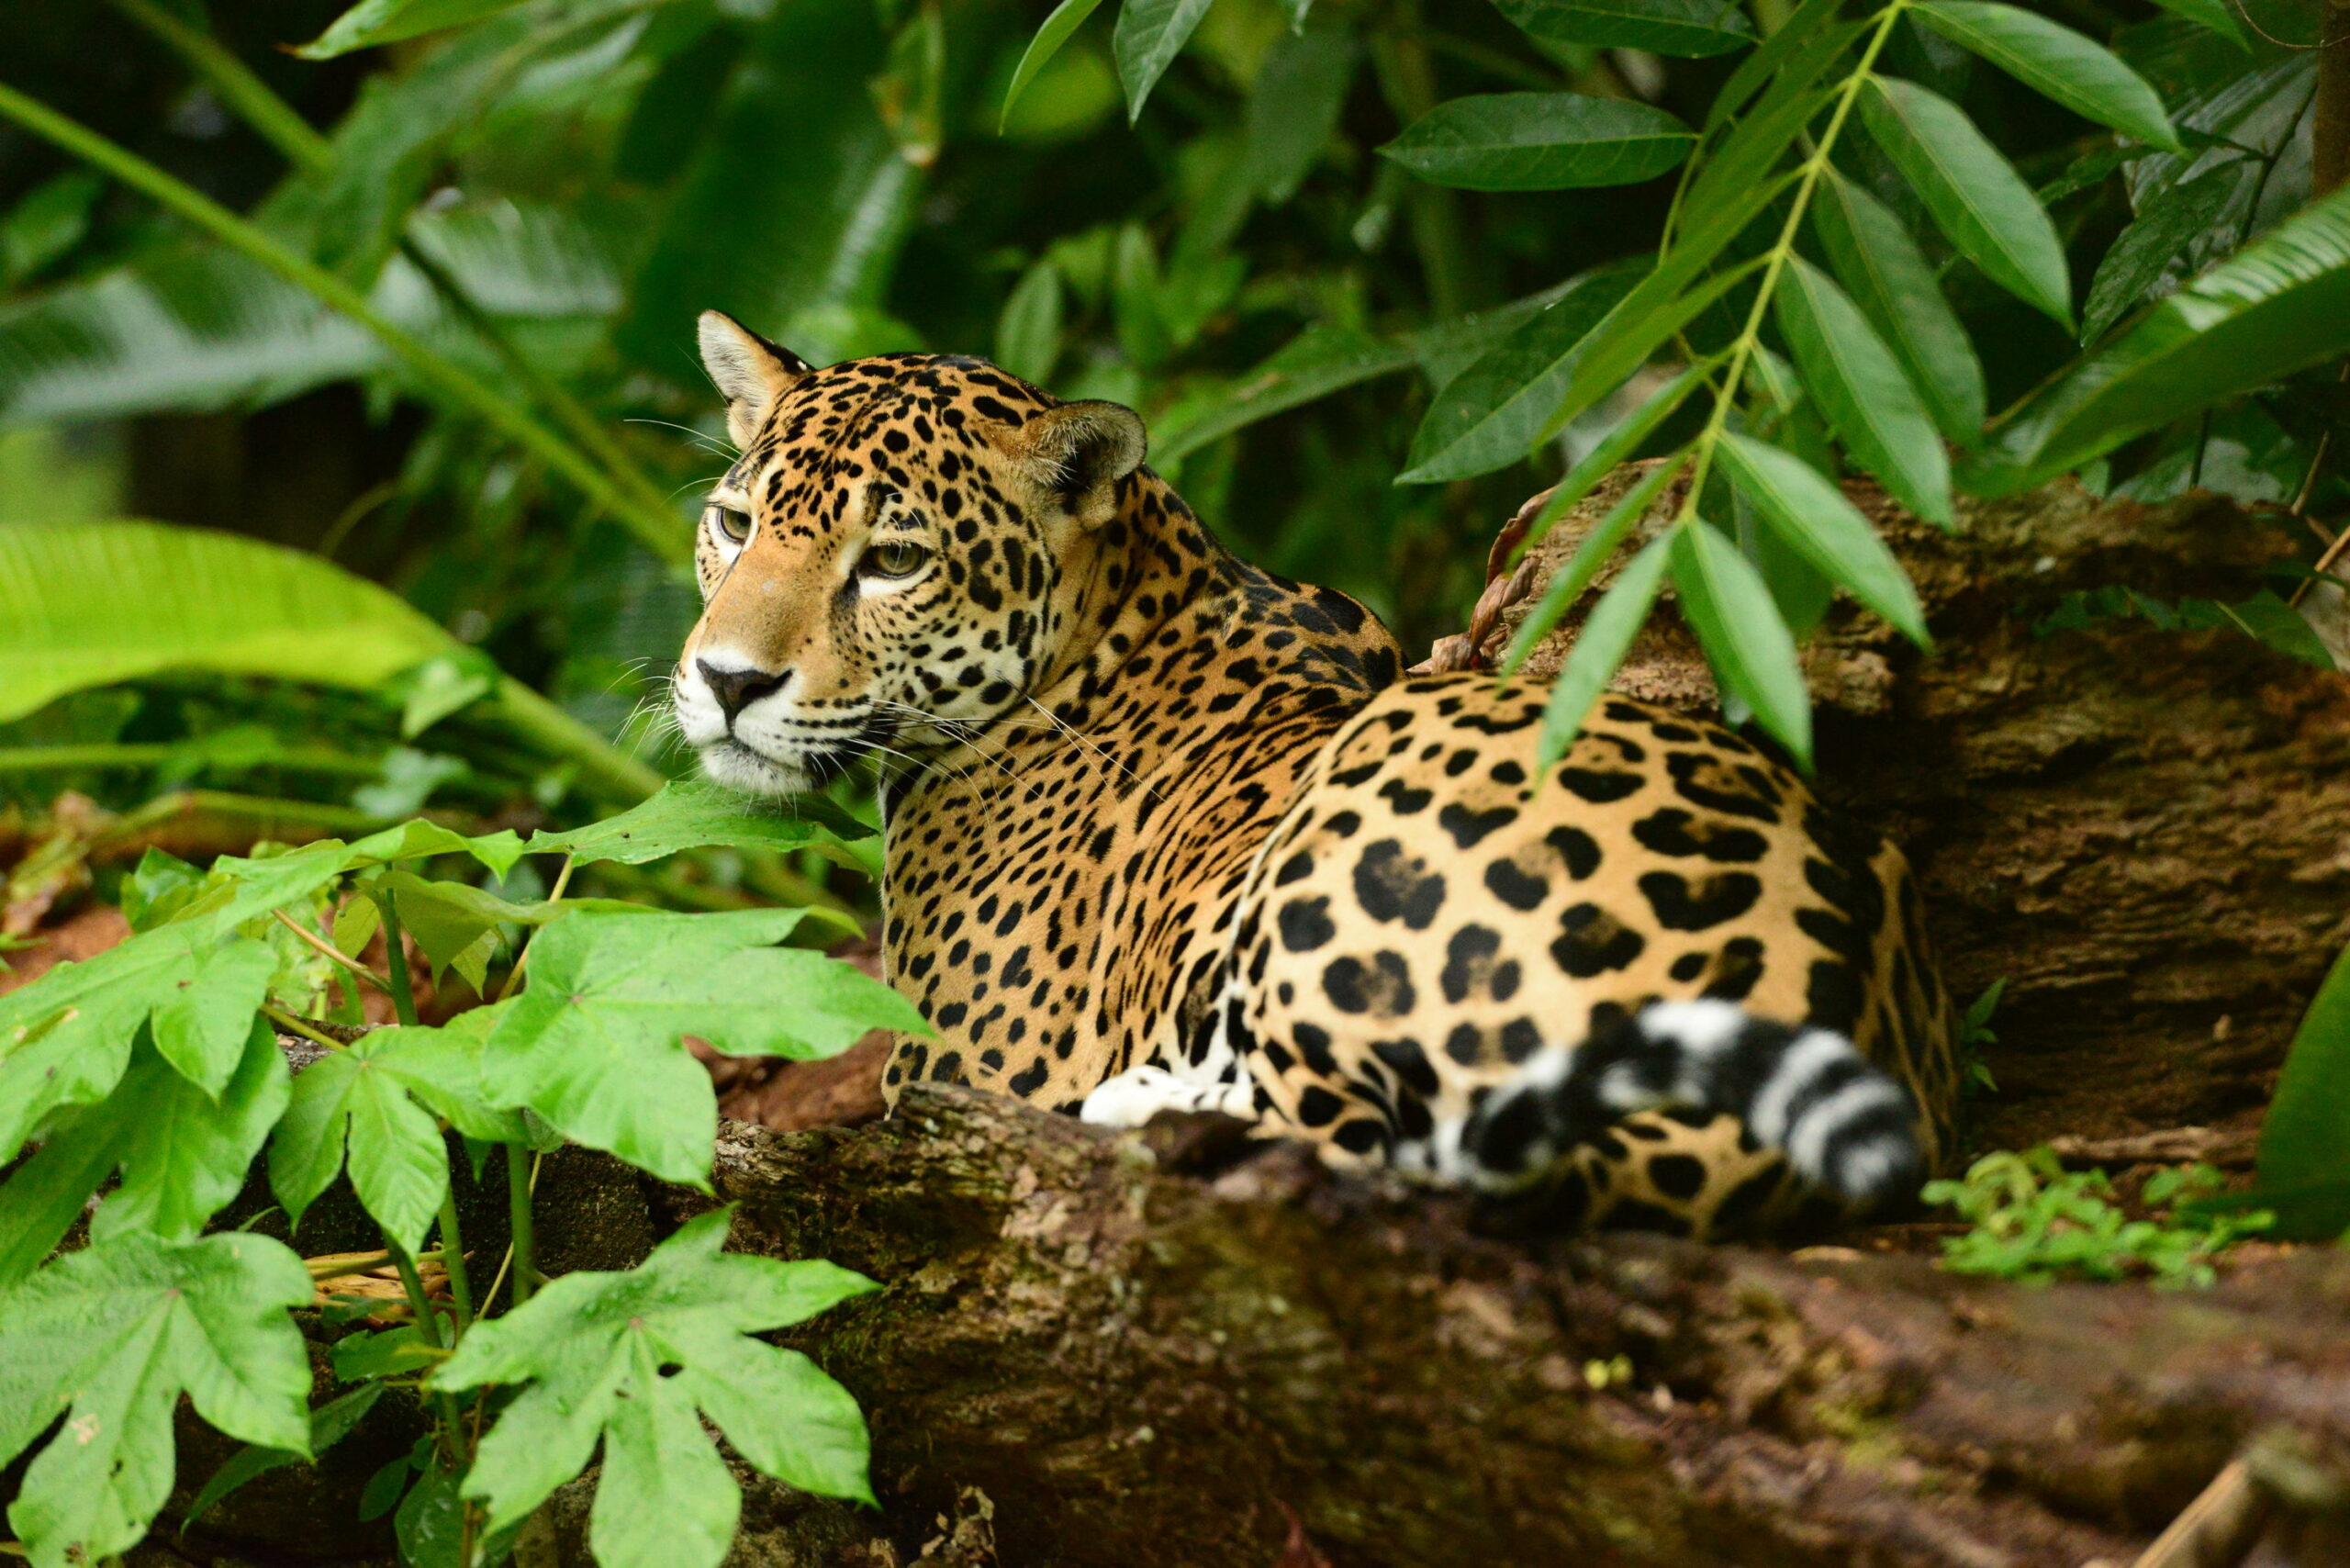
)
(738, 766)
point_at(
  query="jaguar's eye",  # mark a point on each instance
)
(734, 525)
(893, 558)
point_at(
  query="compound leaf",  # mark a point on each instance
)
(109, 1338)
(2078, 72)
(630, 1358)
(1689, 30)
(593, 1044)
(1729, 606)
(1812, 515)
(1879, 264)
(1540, 141)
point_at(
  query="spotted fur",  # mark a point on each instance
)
(1166, 829)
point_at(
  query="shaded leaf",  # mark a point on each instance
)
(1066, 19)
(1607, 635)
(2057, 61)
(1293, 110)
(1861, 387)
(1149, 34)
(2305, 1142)
(1688, 29)
(1976, 196)
(1028, 335)
(629, 1360)
(373, 22)
(1599, 547)
(1540, 141)
(2143, 254)
(329, 1424)
(2280, 306)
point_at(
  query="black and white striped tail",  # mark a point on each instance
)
(1846, 1128)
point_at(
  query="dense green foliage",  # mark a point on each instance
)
(402, 317)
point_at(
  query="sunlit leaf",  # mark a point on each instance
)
(1727, 603)
(1974, 194)
(1891, 283)
(362, 1098)
(1689, 29)
(1828, 531)
(1540, 141)
(1600, 645)
(2078, 72)
(1860, 387)
(636, 1360)
(109, 1338)
(2281, 305)
(689, 814)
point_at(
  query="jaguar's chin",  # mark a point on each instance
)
(731, 763)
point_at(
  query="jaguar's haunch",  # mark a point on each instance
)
(1166, 830)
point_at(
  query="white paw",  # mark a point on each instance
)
(1141, 1093)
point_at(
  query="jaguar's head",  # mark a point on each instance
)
(900, 552)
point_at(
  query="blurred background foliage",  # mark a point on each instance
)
(545, 197)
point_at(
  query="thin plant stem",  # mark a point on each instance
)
(520, 1184)
(514, 975)
(403, 990)
(1807, 180)
(662, 534)
(453, 1257)
(428, 1322)
(287, 1021)
(329, 951)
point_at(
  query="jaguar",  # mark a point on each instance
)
(1167, 831)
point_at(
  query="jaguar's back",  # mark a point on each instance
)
(1164, 829)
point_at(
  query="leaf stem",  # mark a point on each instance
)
(419, 1305)
(453, 1257)
(330, 951)
(663, 534)
(1807, 180)
(285, 1020)
(519, 1185)
(514, 975)
(402, 988)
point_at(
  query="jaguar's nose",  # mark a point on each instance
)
(738, 688)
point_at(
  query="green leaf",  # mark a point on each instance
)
(109, 1338)
(2216, 15)
(2142, 255)
(1687, 28)
(440, 686)
(415, 839)
(1861, 387)
(1540, 141)
(240, 890)
(1318, 361)
(1487, 416)
(1636, 329)
(90, 603)
(360, 1098)
(1892, 285)
(65, 1039)
(1599, 547)
(1293, 110)
(1727, 603)
(2305, 1142)
(2055, 61)
(1812, 515)
(1028, 335)
(2280, 306)
(329, 1424)
(1150, 34)
(687, 814)
(1066, 17)
(593, 1347)
(1976, 196)
(1607, 635)
(1614, 448)
(593, 1043)
(373, 22)
(1793, 36)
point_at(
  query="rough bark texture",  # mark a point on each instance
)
(2146, 833)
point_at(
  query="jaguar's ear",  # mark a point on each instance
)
(749, 372)
(1078, 452)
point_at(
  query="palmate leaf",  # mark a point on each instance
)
(65, 1039)
(2280, 306)
(1729, 606)
(378, 1099)
(1880, 267)
(183, 1154)
(1540, 141)
(109, 1338)
(687, 814)
(2078, 73)
(593, 1044)
(1974, 194)
(1861, 387)
(630, 1358)
(1486, 417)
(1687, 28)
